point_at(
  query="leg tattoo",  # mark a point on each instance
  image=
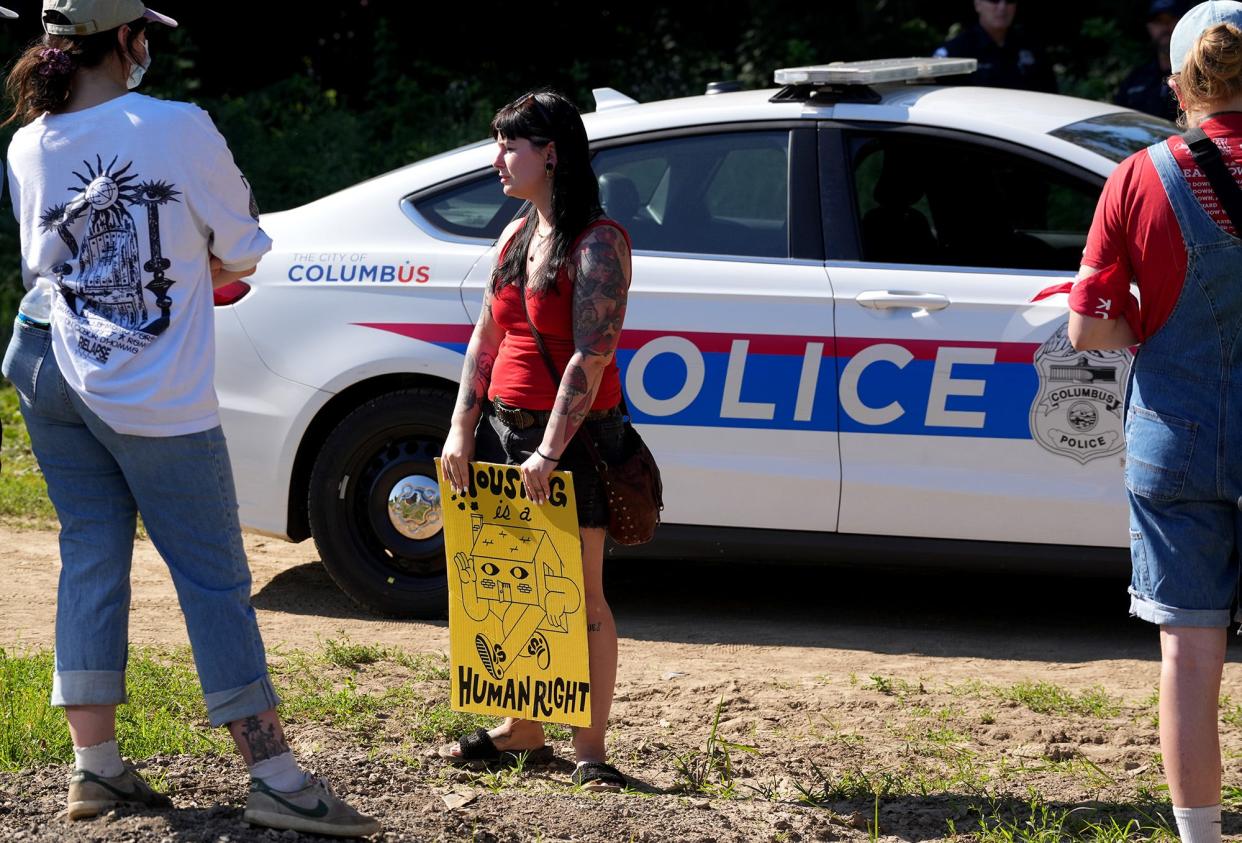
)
(264, 741)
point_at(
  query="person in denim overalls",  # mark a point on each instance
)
(1183, 467)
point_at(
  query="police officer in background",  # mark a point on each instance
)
(1008, 58)
(1147, 86)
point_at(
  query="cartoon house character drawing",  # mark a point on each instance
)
(514, 575)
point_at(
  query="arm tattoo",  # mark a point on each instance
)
(475, 379)
(264, 741)
(575, 397)
(476, 373)
(601, 290)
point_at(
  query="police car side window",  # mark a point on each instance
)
(477, 208)
(719, 194)
(935, 201)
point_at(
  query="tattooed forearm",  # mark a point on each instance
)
(264, 740)
(476, 375)
(601, 291)
(573, 400)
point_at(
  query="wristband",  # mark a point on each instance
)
(546, 457)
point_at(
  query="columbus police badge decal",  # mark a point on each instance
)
(1078, 410)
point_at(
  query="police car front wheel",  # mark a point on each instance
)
(374, 503)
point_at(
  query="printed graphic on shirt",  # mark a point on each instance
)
(254, 203)
(106, 299)
(1205, 194)
(1078, 409)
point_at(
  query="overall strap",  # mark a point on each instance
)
(1212, 163)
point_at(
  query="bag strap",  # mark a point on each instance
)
(556, 379)
(1212, 163)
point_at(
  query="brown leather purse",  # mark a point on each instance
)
(633, 485)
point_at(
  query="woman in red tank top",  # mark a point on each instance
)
(571, 266)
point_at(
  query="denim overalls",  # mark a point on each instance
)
(1184, 430)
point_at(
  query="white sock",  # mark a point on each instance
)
(280, 772)
(102, 759)
(1198, 825)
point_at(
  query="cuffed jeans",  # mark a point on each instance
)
(99, 481)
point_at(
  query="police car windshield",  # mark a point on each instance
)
(1117, 136)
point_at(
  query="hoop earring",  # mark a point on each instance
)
(548, 168)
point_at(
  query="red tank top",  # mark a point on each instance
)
(519, 377)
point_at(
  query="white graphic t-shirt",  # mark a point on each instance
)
(121, 206)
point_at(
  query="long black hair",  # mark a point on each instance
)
(544, 117)
(41, 79)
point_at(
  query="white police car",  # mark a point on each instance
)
(830, 344)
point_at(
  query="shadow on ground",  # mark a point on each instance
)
(884, 610)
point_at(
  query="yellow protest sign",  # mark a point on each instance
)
(517, 617)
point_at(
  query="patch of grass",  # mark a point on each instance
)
(1039, 822)
(346, 653)
(425, 666)
(711, 771)
(164, 716)
(23, 494)
(895, 687)
(1230, 715)
(1046, 698)
(440, 723)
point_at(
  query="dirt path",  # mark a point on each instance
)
(841, 678)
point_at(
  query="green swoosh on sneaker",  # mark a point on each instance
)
(135, 795)
(318, 812)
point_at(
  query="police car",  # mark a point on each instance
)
(830, 344)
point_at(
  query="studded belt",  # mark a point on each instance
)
(519, 419)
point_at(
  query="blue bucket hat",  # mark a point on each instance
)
(1197, 21)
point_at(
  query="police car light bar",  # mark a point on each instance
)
(874, 72)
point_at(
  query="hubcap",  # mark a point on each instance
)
(414, 507)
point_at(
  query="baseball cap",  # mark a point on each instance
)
(90, 16)
(1166, 7)
(1197, 21)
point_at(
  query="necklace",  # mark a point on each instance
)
(540, 237)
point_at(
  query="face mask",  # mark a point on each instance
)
(138, 71)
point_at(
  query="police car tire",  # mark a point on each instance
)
(390, 436)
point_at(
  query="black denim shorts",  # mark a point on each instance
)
(494, 441)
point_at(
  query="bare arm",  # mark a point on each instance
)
(221, 276)
(601, 290)
(1091, 333)
(476, 376)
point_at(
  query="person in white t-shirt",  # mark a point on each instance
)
(131, 209)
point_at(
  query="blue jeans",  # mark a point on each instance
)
(99, 481)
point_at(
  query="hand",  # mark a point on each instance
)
(221, 276)
(455, 458)
(465, 567)
(535, 473)
(561, 600)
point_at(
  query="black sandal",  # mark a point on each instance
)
(478, 747)
(599, 777)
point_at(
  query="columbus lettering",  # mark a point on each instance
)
(358, 273)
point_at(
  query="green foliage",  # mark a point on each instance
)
(712, 770)
(164, 715)
(1046, 698)
(23, 494)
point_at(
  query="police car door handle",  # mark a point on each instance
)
(896, 299)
